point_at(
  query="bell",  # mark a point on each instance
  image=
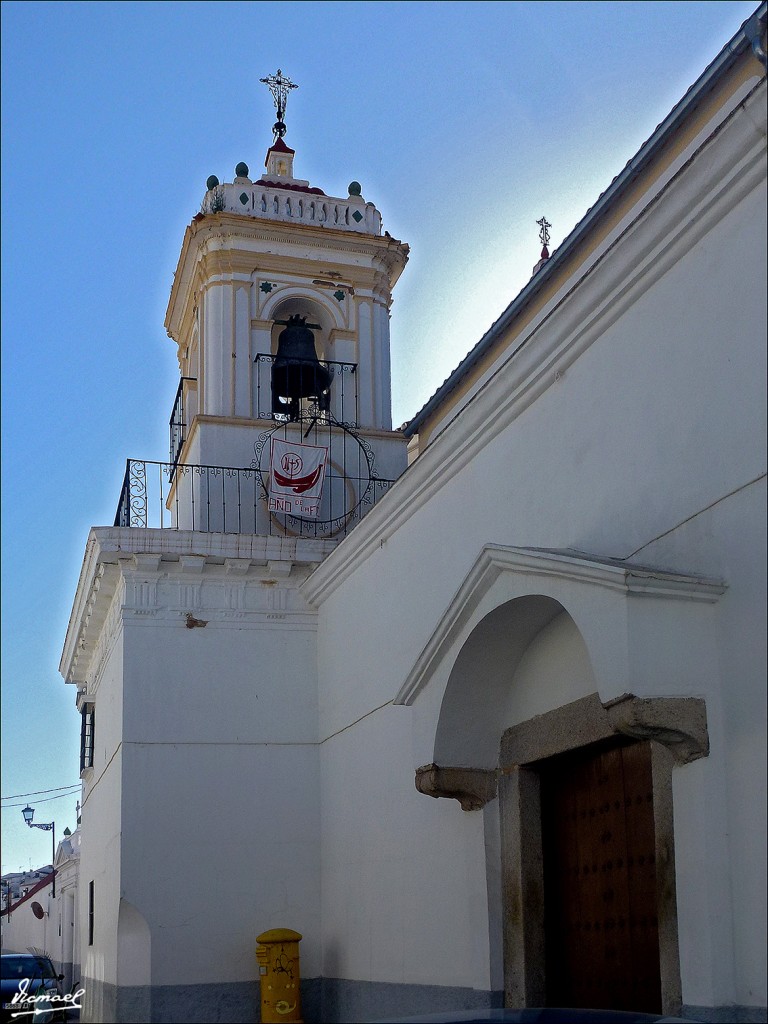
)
(297, 372)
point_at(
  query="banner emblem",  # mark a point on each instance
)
(296, 477)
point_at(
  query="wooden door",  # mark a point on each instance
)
(598, 838)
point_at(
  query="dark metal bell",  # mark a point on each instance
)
(297, 372)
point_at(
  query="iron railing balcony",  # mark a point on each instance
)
(343, 398)
(181, 416)
(343, 404)
(226, 499)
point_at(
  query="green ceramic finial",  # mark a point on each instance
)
(355, 188)
(241, 170)
(212, 182)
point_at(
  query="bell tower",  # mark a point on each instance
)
(191, 640)
(280, 312)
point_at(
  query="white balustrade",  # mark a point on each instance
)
(351, 214)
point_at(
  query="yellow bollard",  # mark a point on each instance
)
(277, 955)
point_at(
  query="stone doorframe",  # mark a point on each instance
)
(676, 728)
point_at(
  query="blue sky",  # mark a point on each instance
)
(464, 123)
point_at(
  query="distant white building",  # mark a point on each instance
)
(17, 883)
(552, 622)
(39, 921)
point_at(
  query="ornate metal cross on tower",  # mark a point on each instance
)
(279, 85)
(544, 227)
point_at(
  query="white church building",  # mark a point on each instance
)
(477, 706)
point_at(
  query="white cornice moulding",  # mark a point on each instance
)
(113, 553)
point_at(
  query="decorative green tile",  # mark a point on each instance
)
(357, 216)
(244, 197)
(338, 295)
(266, 287)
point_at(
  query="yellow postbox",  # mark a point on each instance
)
(277, 955)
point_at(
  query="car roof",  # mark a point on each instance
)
(25, 956)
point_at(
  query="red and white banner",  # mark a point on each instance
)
(296, 475)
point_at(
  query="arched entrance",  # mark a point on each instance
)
(537, 710)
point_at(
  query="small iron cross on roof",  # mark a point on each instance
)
(544, 227)
(279, 85)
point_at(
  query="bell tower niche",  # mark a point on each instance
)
(280, 313)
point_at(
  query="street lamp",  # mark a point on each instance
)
(50, 826)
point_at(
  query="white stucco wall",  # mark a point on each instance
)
(393, 861)
(731, 540)
(655, 431)
(101, 826)
(220, 770)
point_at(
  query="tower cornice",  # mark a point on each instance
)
(223, 243)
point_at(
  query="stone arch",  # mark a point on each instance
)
(612, 615)
(477, 704)
(525, 666)
(523, 657)
(314, 305)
